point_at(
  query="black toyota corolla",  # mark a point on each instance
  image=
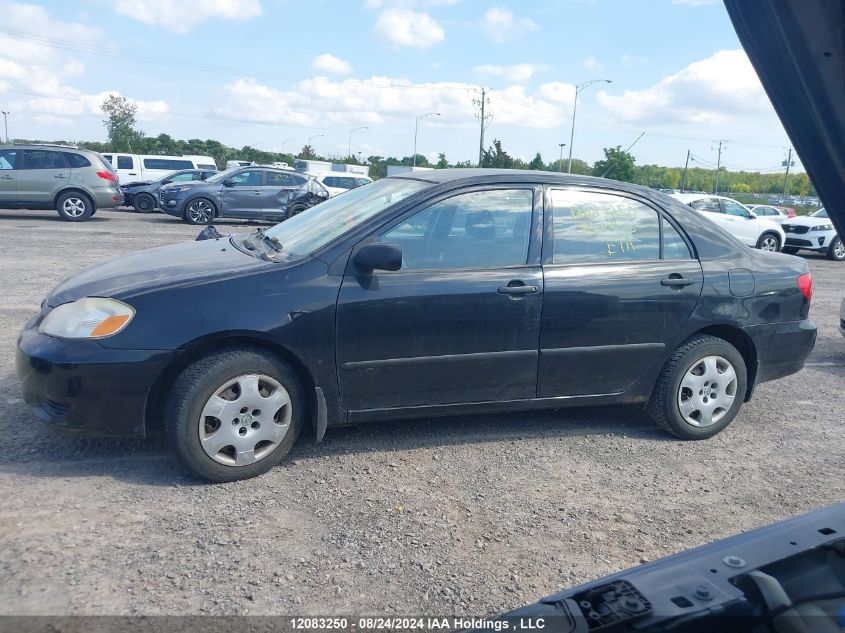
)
(431, 293)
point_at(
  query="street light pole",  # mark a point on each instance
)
(353, 130)
(6, 123)
(416, 129)
(578, 90)
(313, 137)
(560, 162)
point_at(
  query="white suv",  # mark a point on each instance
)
(339, 181)
(814, 232)
(737, 220)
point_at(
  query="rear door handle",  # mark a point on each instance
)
(60, 176)
(518, 289)
(676, 280)
(7, 177)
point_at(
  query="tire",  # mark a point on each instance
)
(836, 252)
(789, 250)
(200, 211)
(295, 210)
(207, 386)
(769, 242)
(74, 207)
(144, 203)
(673, 404)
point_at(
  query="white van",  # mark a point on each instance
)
(142, 167)
(336, 182)
(235, 164)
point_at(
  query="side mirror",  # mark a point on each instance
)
(228, 183)
(167, 182)
(378, 256)
(752, 215)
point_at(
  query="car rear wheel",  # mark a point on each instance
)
(144, 203)
(235, 414)
(199, 211)
(836, 251)
(700, 389)
(74, 207)
(789, 250)
(769, 242)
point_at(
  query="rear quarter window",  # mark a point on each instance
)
(77, 161)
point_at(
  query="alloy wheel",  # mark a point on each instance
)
(245, 420)
(839, 249)
(200, 212)
(74, 207)
(769, 243)
(707, 391)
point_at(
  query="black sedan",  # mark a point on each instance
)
(143, 195)
(253, 193)
(436, 293)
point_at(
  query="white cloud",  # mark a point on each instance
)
(558, 92)
(712, 91)
(502, 25)
(180, 16)
(591, 63)
(36, 75)
(514, 72)
(331, 64)
(404, 27)
(322, 102)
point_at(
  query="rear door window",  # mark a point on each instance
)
(710, 205)
(281, 179)
(41, 159)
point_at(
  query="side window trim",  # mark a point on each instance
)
(535, 225)
(547, 256)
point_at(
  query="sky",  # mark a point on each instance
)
(274, 74)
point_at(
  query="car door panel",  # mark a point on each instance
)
(459, 322)
(8, 177)
(611, 305)
(40, 175)
(244, 199)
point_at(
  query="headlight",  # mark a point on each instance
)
(92, 317)
(181, 189)
(822, 227)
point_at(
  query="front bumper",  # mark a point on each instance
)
(83, 386)
(781, 348)
(811, 240)
(172, 205)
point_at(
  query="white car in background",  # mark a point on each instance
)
(770, 213)
(339, 181)
(814, 232)
(737, 220)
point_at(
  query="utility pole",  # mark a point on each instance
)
(684, 177)
(578, 90)
(6, 124)
(788, 162)
(560, 162)
(718, 165)
(484, 117)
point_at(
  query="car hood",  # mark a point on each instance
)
(808, 221)
(187, 263)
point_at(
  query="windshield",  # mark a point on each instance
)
(312, 229)
(223, 175)
(821, 213)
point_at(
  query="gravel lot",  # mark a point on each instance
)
(466, 515)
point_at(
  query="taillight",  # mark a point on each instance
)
(107, 175)
(805, 284)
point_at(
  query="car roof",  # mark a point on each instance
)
(439, 176)
(686, 198)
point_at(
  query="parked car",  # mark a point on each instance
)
(337, 182)
(257, 193)
(143, 195)
(431, 293)
(737, 220)
(814, 232)
(137, 167)
(75, 182)
(771, 213)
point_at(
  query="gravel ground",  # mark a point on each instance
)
(467, 515)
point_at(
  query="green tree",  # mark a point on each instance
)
(495, 156)
(120, 123)
(537, 163)
(307, 153)
(442, 163)
(617, 164)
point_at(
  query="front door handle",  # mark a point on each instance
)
(676, 280)
(60, 176)
(517, 288)
(6, 177)
(257, 193)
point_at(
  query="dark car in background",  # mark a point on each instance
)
(143, 195)
(251, 193)
(437, 293)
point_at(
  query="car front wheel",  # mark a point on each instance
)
(144, 203)
(836, 251)
(700, 389)
(235, 414)
(199, 211)
(768, 242)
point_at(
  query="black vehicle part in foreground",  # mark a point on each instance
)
(447, 293)
(784, 578)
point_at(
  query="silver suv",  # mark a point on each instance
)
(75, 182)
